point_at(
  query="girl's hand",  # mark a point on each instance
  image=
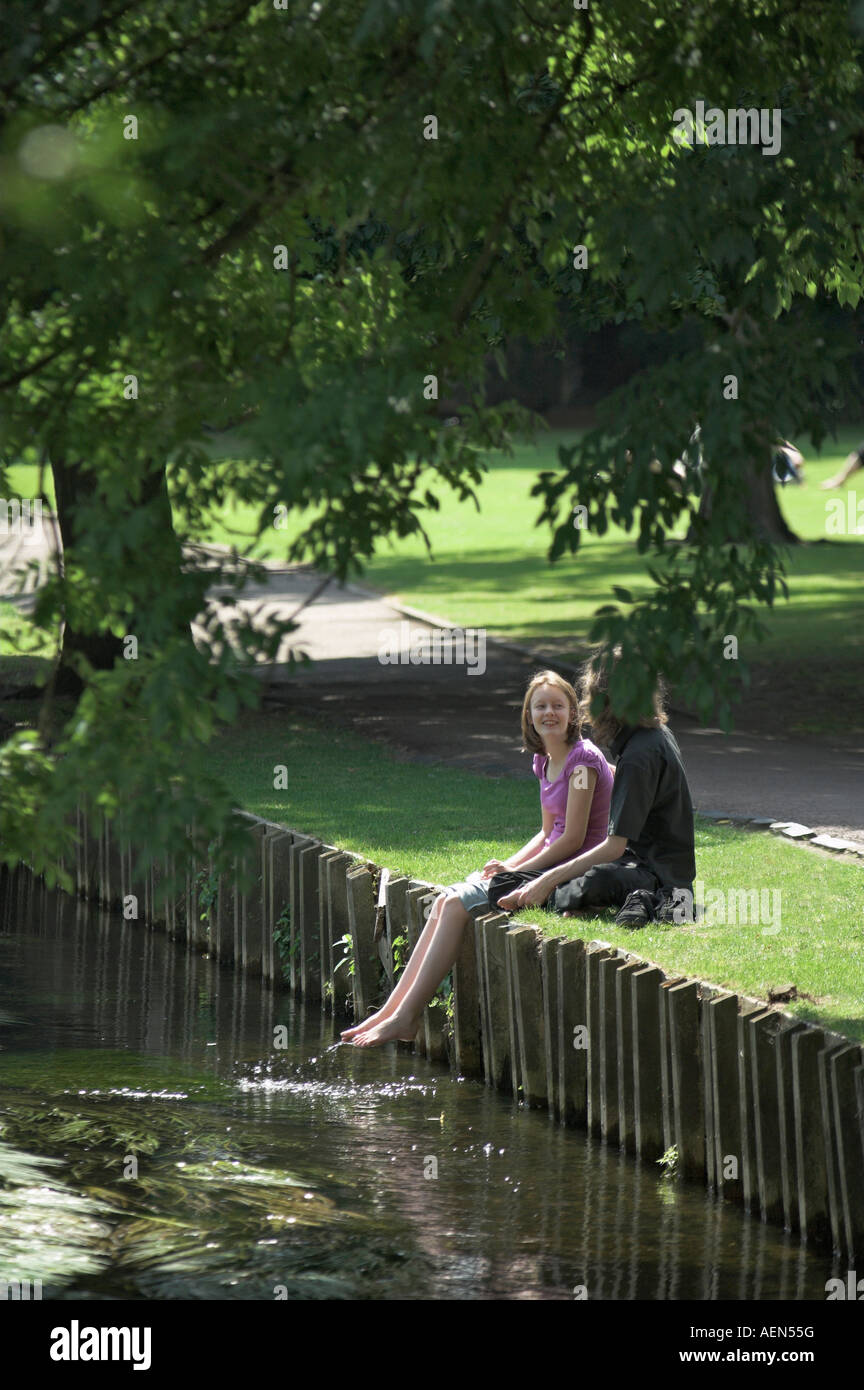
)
(532, 894)
(495, 866)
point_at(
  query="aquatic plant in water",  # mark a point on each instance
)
(48, 1231)
(197, 1218)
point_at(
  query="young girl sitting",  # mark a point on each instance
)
(575, 792)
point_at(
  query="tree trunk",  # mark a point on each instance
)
(73, 486)
(762, 506)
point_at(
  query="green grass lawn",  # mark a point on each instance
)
(490, 570)
(437, 824)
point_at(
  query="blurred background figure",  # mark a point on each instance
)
(853, 462)
(691, 459)
(787, 464)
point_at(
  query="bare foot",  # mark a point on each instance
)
(348, 1033)
(398, 1028)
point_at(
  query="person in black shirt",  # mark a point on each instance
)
(646, 864)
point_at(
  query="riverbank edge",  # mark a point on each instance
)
(763, 1109)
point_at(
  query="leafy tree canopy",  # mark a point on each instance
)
(284, 218)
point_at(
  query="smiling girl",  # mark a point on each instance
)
(575, 791)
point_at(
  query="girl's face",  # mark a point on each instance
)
(550, 712)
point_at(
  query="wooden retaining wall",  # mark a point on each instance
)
(765, 1110)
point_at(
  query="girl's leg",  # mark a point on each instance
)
(439, 958)
(407, 977)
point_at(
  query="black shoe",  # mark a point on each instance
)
(673, 906)
(638, 909)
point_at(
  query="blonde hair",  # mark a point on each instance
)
(605, 723)
(531, 740)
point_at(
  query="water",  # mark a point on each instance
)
(154, 1143)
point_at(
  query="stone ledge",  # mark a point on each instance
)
(789, 830)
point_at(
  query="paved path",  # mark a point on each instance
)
(440, 713)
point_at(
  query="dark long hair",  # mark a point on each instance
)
(605, 723)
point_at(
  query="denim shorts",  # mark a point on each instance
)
(473, 893)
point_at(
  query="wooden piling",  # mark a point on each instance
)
(572, 1033)
(624, 1052)
(361, 919)
(812, 1173)
(309, 924)
(277, 900)
(467, 1035)
(848, 1130)
(495, 1006)
(549, 978)
(524, 949)
(594, 955)
(688, 1108)
(647, 1096)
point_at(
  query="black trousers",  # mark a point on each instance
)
(604, 885)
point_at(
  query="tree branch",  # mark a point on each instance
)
(18, 377)
(98, 25)
(246, 220)
(480, 270)
(127, 75)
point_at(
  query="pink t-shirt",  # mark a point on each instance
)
(553, 795)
